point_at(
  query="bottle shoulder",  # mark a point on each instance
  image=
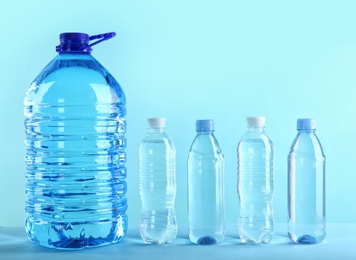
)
(157, 138)
(64, 63)
(79, 76)
(206, 144)
(307, 144)
(256, 139)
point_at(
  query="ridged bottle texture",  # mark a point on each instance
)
(157, 175)
(75, 155)
(306, 186)
(255, 157)
(206, 187)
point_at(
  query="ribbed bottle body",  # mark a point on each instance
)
(75, 155)
(206, 190)
(157, 174)
(306, 190)
(256, 187)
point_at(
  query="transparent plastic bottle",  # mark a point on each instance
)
(75, 150)
(255, 158)
(306, 186)
(206, 187)
(157, 168)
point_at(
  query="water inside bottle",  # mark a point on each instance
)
(75, 157)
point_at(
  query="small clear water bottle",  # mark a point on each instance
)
(206, 187)
(75, 150)
(306, 186)
(157, 169)
(255, 183)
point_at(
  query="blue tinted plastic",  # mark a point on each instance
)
(206, 187)
(75, 155)
(306, 124)
(306, 188)
(205, 125)
(79, 42)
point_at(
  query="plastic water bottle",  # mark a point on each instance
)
(206, 187)
(306, 186)
(255, 157)
(75, 150)
(157, 167)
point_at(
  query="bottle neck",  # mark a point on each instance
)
(256, 129)
(74, 55)
(155, 130)
(310, 131)
(205, 132)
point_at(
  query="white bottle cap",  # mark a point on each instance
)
(256, 121)
(156, 122)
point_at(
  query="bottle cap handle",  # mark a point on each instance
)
(79, 42)
(101, 37)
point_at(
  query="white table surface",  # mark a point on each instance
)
(340, 243)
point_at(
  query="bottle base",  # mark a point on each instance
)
(159, 227)
(306, 239)
(207, 240)
(74, 235)
(159, 237)
(256, 237)
(157, 241)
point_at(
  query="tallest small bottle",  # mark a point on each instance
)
(306, 186)
(75, 150)
(206, 187)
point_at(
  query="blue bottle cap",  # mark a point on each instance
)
(306, 124)
(79, 42)
(205, 125)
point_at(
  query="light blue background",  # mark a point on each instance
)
(188, 60)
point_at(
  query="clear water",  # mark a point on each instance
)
(206, 191)
(157, 188)
(306, 190)
(255, 155)
(75, 155)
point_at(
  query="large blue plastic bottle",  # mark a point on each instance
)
(306, 186)
(206, 187)
(75, 150)
(255, 183)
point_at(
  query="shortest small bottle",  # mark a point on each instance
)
(306, 186)
(157, 167)
(206, 187)
(255, 183)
